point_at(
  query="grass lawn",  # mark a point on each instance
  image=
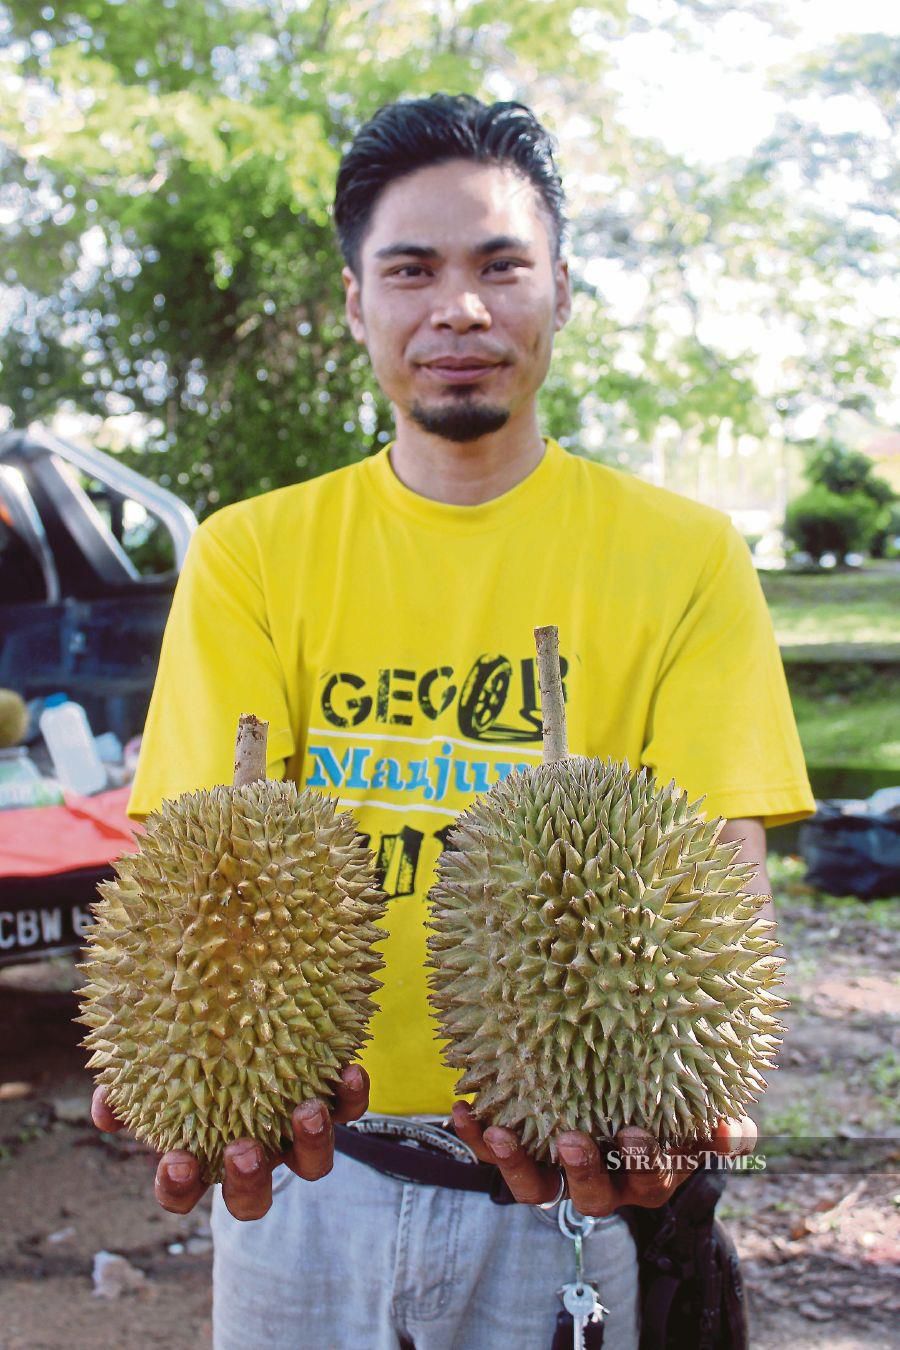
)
(834, 607)
(847, 713)
(849, 730)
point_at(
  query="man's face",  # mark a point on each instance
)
(458, 266)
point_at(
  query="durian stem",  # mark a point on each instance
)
(553, 708)
(250, 750)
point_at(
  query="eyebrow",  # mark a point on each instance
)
(497, 244)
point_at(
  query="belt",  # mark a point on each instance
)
(421, 1152)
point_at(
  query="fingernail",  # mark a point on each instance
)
(247, 1163)
(313, 1116)
(573, 1154)
(501, 1148)
(179, 1172)
(353, 1078)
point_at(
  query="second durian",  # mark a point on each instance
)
(597, 960)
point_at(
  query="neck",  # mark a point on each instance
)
(465, 474)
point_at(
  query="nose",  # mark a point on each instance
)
(462, 310)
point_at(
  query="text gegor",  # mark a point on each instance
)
(496, 699)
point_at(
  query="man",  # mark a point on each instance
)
(380, 618)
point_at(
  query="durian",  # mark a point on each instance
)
(231, 963)
(596, 960)
(13, 718)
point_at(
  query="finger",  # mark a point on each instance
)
(312, 1153)
(352, 1094)
(102, 1113)
(649, 1177)
(730, 1138)
(529, 1182)
(178, 1186)
(247, 1180)
(749, 1135)
(736, 1137)
(469, 1131)
(591, 1186)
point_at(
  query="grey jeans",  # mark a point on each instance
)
(360, 1261)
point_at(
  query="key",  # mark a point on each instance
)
(592, 1334)
(582, 1319)
(582, 1301)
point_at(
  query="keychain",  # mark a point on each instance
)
(579, 1324)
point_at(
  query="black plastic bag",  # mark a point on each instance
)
(851, 854)
(691, 1291)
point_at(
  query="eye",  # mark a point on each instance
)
(507, 263)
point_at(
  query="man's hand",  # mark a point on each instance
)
(247, 1184)
(594, 1187)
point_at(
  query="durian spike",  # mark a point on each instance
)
(553, 707)
(250, 750)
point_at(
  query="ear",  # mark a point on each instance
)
(563, 294)
(353, 304)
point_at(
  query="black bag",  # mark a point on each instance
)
(691, 1291)
(851, 855)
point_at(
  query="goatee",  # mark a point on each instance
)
(460, 422)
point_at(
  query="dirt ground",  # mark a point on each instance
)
(820, 1253)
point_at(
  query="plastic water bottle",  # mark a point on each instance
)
(67, 731)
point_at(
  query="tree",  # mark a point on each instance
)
(820, 521)
(175, 255)
(840, 470)
(851, 476)
(169, 252)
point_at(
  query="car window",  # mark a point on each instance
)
(21, 577)
(143, 537)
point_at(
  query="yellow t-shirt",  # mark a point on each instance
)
(388, 641)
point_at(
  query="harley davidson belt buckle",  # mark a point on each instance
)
(415, 1134)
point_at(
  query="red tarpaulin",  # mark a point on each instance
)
(41, 841)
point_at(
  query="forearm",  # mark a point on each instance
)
(752, 836)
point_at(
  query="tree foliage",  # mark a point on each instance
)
(832, 466)
(820, 521)
(168, 247)
(850, 476)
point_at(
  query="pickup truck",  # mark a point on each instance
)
(90, 552)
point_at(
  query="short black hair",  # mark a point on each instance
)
(412, 134)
